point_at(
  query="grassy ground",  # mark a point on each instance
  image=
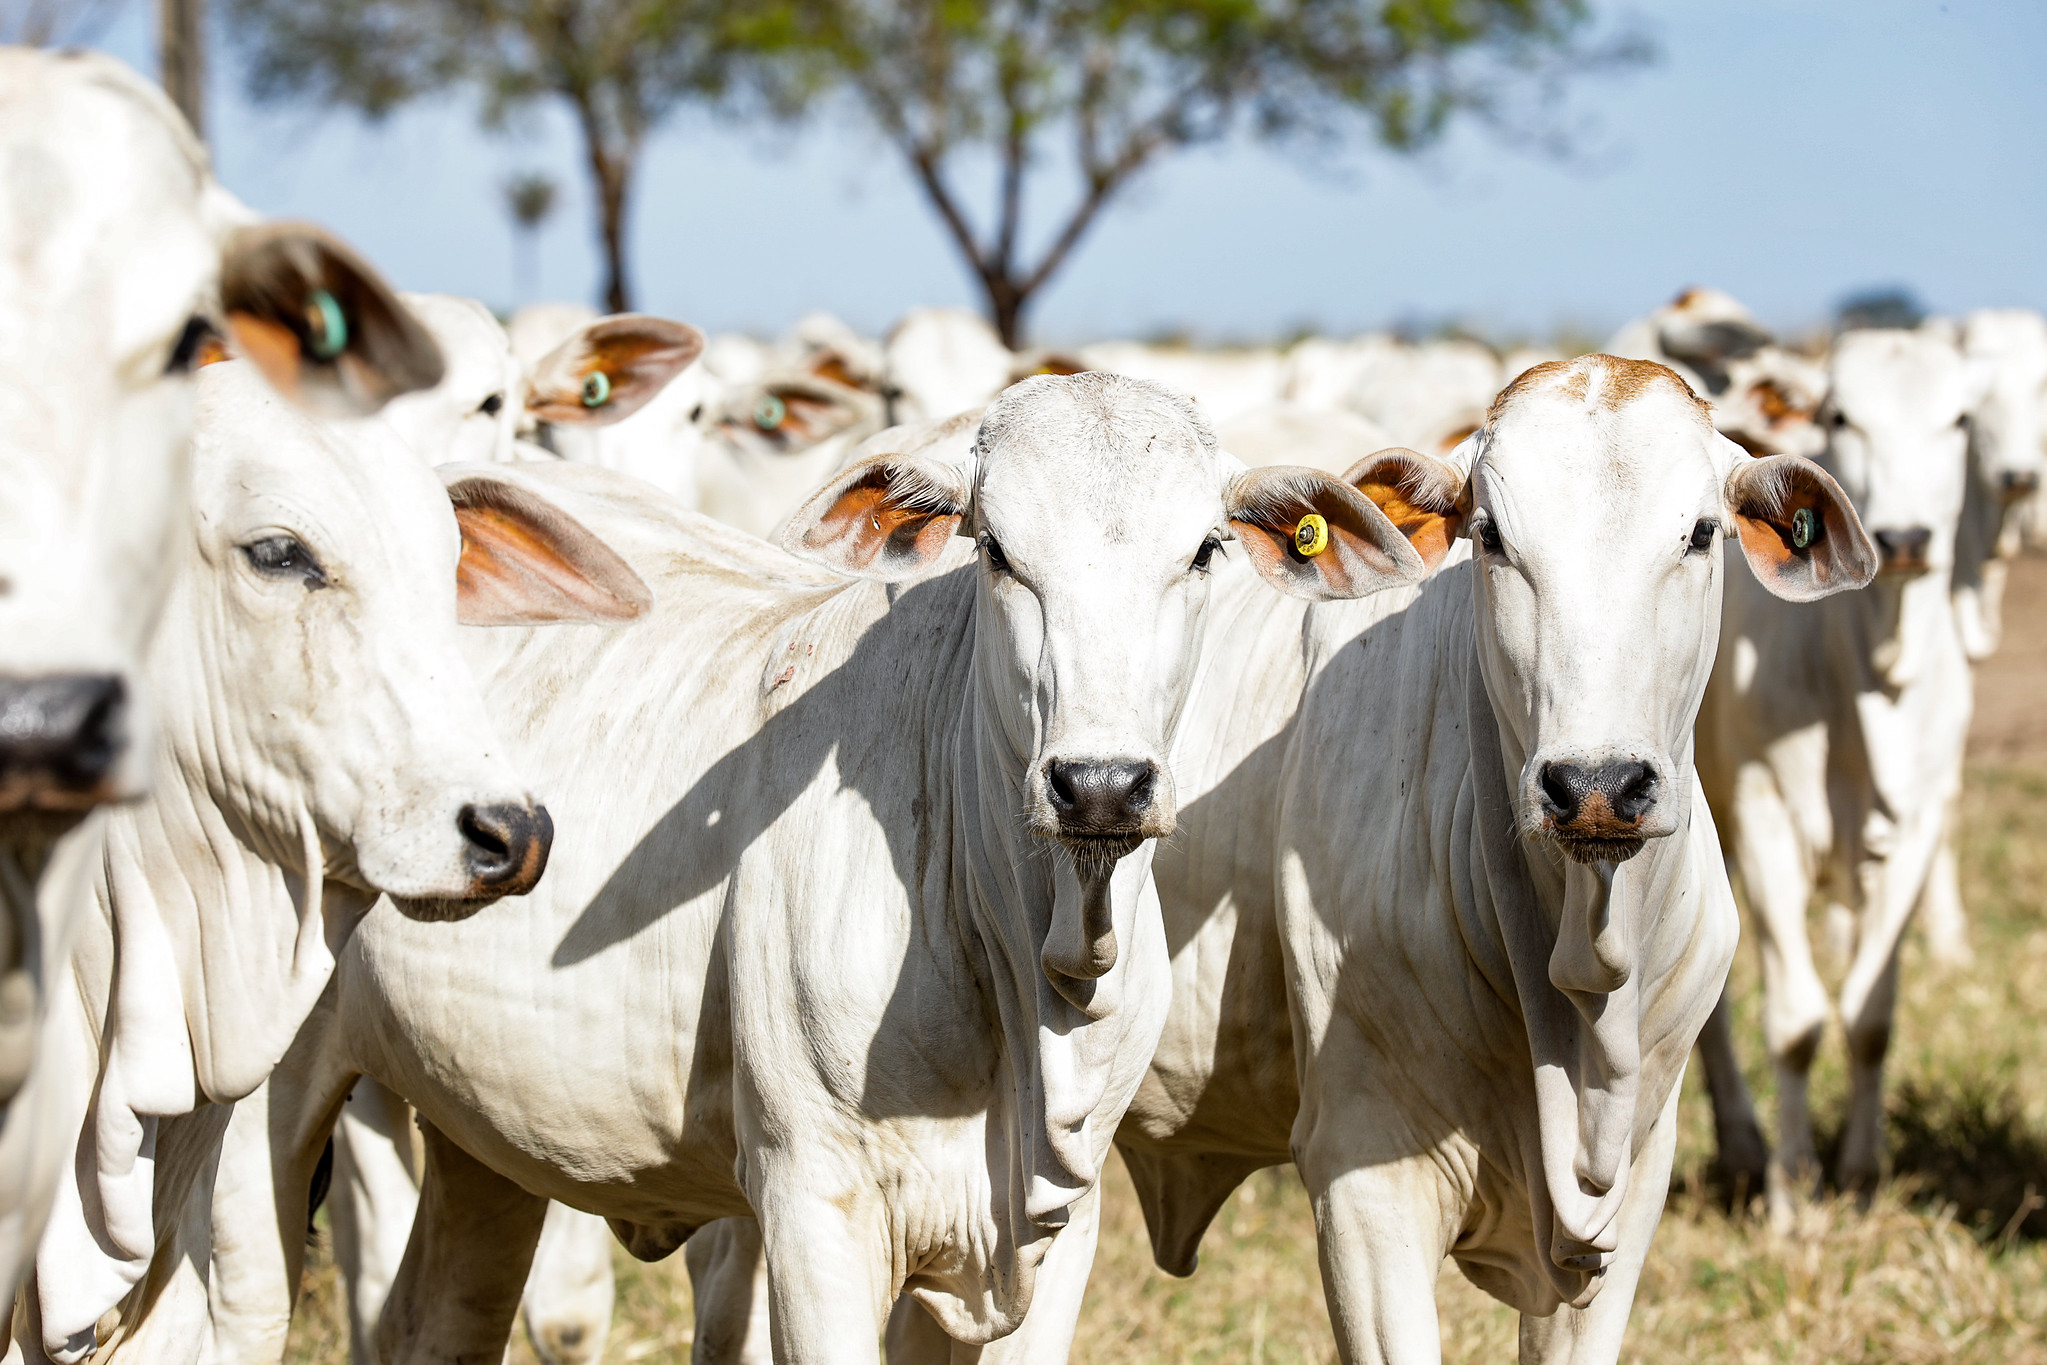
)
(1944, 1267)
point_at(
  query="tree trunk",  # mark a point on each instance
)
(611, 208)
(181, 49)
(1006, 304)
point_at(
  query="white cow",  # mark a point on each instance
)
(941, 361)
(122, 264)
(1431, 396)
(1226, 384)
(1447, 907)
(853, 928)
(1290, 432)
(1699, 334)
(1831, 747)
(321, 743)
(1322, 372)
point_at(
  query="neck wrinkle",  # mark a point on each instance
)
(1594, 1103)
(1067, 1069)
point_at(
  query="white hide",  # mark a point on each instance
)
(1223, 384)
(1699, 334)
(1831, 743)
(121, 265)
(1331, 440)
(945, 360)
(1431, 396)
(320, 743)
(1401, 966)
(850, 804)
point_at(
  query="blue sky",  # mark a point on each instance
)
(1789, 152)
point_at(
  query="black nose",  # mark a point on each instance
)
(60, 738)
(1096, 799)
(508, 846)
(2020, 483)
(1605, 801)
(1902, 546)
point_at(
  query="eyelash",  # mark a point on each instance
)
(1486, 534)
(1207, 552)
(996, 559)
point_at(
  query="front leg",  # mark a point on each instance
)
(828, 1266)
(1592, 1335)
(728, 1289)
(472, 1243)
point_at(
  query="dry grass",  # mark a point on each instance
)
(1937, 1270)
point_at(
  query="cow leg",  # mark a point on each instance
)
(728, 1288)
(1869, 1038)
(458, 1287)
(1592, 1335)
(1778, 885)
(915, 1338)
(828, 1276)
(1940, 905)
(371, 1204)
(569, 1292)
(1744, 1157)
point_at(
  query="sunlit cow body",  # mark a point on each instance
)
(321, 743)
(122, 264)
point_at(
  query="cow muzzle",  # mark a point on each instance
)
(1600, 812)
(1903, 549)
(61, 740)
(1104, 808)
(504, 850)
(2014, 484)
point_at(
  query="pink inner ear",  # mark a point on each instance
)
(512, 573)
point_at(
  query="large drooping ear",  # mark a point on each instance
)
(526, 562)
(1422, 497)
(1312, 535)
(321, 325)
(610, 369)
(887, 517)
(1798, 529)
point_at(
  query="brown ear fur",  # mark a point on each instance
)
(888, 518)
(637, 355)
(1420, 496)
(1765, 494)
(526, 562)
(271, 280)
(1365, 553)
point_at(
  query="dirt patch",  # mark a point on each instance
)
(2010, 726)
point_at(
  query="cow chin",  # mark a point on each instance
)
(1604, 850)
(443, 909)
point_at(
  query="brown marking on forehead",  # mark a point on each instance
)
(1607, 382)
(1454, 439)
(1776, 405)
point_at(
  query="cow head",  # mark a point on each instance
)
(2008, 421)
(315, 655)
(122, 268)
(1600, 500)
(1098, 506)
(769, 442)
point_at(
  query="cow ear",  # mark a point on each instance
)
(321, 325)
(887, 517)
(1422, 497)
(525, 562)
(610, 369)
(1312, 535)
(1798, 529)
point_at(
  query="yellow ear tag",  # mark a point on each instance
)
(1311, 537)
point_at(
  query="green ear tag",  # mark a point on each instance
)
(330, 324)
(1805, 528)
(596, 389)
(769, 412)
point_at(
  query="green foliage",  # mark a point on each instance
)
(1118, 83)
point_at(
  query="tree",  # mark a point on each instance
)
(181, 55)
(1122, 83)
(529, 198)
(619, 66)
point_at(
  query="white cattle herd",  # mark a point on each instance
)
(810, 801)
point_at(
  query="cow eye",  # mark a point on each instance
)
(285, 557)
(1702, 535)
(996, 559)
(1206, 553)
(1487, 533)
(197, 345)
(492, 406)
(1837, 418)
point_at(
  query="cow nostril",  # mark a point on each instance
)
(1563, 787)
(507, 844)
(2019, 483)
(1633, 788)
(1059, 781)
